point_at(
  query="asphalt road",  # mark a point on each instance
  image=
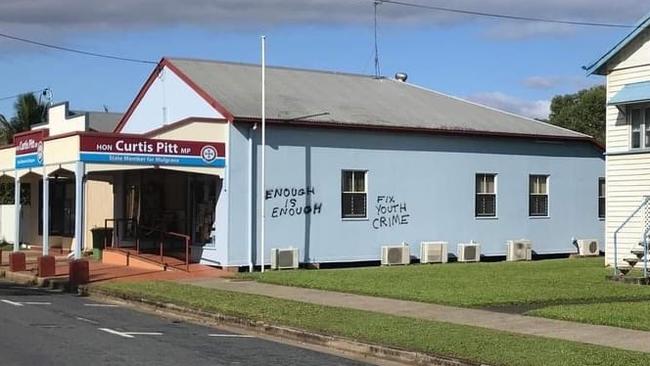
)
(40, 327)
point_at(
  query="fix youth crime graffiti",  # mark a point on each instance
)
(291, 205)
(390, 213)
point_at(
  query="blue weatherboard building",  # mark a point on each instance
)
(353, 163)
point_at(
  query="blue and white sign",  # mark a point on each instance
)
(29, 149)
(114, 149)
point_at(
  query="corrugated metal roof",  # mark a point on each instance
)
(350, 99)
(103, 121)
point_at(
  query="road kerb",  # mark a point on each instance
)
(360, 349)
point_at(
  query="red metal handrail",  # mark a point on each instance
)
(163, 234)
(115, 242)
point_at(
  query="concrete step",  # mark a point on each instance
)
(58, 284)
(638, 252)
(624, 270)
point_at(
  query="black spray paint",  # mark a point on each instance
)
(390, 213)
(291, 205)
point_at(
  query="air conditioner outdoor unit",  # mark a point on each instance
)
(433, 252)
(469, 252)
(395, 254)
(520, 250)
(284, 258)
(588, 247)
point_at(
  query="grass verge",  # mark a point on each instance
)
(632, 315)
(532, 284)
(470, 343)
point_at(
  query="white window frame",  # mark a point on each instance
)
(365, 191)
(644, 126)
(547, 194)
(477, 194)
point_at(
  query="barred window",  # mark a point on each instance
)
(353, 194)
(538, 195)
(486, 197)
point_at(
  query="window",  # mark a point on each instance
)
(601, 197)
(538, 192)
(353, 194)
(62, 210)
(486, 198)
(7, 192)
(635, 116)
(640, 121)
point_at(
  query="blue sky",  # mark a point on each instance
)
(507, 64)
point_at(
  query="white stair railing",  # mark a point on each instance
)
(646, 232)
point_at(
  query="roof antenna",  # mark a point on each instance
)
(48, 96)
(377, 69)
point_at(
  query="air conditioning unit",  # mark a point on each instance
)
(469, 252)
(284, 258)
(588, 247)
(433, 252)
(395, 254)
(519, 250)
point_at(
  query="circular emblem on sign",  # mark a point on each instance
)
(39, 152)
(208, 153)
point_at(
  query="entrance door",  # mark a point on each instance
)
(203, 201)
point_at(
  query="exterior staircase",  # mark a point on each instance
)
(640, 257)
(640, 254)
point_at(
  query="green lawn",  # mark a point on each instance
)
(635, 315)
(476, 344)
(529, 284)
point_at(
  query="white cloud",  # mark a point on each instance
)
(523, 30)
(529, 108)
(565, 82)
(116, 14)
(541, 82)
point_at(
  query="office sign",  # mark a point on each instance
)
(114, 149)
(29, 148)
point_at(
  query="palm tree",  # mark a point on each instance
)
(29, 111)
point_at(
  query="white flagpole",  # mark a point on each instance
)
(263, 184)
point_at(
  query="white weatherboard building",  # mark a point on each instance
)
(353, 163)
(627, 69)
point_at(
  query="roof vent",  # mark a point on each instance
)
(401, 76)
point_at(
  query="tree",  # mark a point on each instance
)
(583, 111)
(28, 111)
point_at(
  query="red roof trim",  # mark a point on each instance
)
(152, 77)
(44, 131)
(181, 123)
(92, 133)
(145, 88)
(207, 97)
(312, 124)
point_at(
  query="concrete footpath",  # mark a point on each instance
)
(627, 339)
